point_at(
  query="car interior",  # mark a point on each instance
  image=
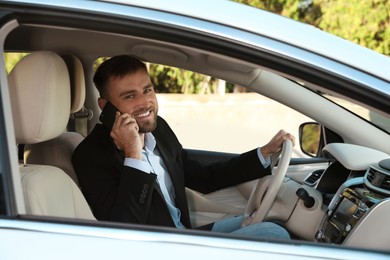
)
(40, 91)
(340, 197)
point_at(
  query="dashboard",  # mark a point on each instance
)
(358, 197)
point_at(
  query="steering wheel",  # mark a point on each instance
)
(264, 194)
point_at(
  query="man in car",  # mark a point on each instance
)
(135, 170)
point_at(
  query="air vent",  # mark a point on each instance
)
(386, 182)
(371, 175)
(378, 179)
(313, 178)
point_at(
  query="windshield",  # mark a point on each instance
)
(375, 118)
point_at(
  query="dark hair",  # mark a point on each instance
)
(117, 66)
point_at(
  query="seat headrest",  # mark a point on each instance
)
(40, 96)
(77, 82)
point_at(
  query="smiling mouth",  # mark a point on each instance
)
(143, 115)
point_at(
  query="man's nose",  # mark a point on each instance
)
(141, 100)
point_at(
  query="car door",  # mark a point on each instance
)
(214, 128)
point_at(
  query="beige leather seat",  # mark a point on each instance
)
(77, 82)
(58, 151)
(55, 152)
(40, 95)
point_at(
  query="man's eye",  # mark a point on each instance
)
(129, 96)
(148, 90)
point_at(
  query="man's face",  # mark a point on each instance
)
(134, 94)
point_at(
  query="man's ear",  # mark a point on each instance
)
(101, 102)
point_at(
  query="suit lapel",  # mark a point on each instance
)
(169, 163)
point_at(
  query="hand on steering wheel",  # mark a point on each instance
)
(264, 194)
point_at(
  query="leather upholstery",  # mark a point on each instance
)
(55, 152)
(77, 82)
(40, 94)
(58, 151)
(48, 191)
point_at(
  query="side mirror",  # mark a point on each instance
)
(310, 138)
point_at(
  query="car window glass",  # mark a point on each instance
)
(369, 115)
(11, 58)
(210, 114)
(232, 122)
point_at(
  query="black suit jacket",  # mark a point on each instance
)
(119, 193)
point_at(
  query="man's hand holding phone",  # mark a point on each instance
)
(126, 137)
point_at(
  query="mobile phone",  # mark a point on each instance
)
(107, 117)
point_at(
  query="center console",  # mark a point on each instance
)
(348, 206)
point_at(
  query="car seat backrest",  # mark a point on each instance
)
(48, 191)
(58, 151)
(55, 152)
(40, 96)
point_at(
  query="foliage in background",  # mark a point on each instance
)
(174, 80)
(365, 22)
(11, 59)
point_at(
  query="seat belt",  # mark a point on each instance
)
(81, 119)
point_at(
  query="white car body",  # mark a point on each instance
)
(265, 53)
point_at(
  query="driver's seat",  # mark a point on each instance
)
(40, 96)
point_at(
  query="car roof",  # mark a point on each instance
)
(260, 22)
(276, 27)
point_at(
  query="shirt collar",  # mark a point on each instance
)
(150, 141)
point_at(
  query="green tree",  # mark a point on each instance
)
(11, 59)
(174, 80)
(365, 22)
(301, 10)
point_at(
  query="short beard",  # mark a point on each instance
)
(148, 127)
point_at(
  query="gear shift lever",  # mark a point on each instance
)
(308, 201)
